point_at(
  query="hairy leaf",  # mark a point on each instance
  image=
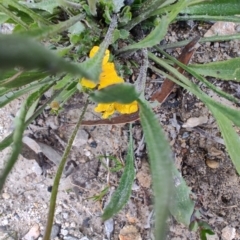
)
(20, 51)
(122, 93)
(215, 8)
(153, 38)
(226, 70)
(181, 206)
(231, 138)
(123, 192)
(161, 163)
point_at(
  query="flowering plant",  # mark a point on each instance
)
(108, 77)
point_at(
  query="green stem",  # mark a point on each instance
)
(58, 176)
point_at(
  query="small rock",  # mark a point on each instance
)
(109, 225)
(33, 233)
(64, 232)
(5, 222)
(228, 233)
(5, 196)
(72, 224)
(65, 215)
(129, 233)
(55, 231)
(69, 237)
(81, 138)
(212, 163)
(212, 237)
(84, 238)
(195, 121)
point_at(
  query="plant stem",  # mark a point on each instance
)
(59, 174)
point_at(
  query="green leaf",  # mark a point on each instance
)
(17, 5)
(226, 70)
(18, 50)
(161, 164)
(215, 8)
(232, 114)
(9, 96)
(22, 79)
(153, 38)
(123, 192)
(118, 4)
(231, 138)
(181, 206)
(3, 17)
(122, 93)
(18, 132)
(47, 5)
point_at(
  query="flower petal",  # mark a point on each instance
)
(126, 108)
(106, 109)
(109, 76)
(87, 83)
(106, 55)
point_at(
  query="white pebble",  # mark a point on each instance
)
(64, 232)
(73, 224)
(5, 222)
(6, 196)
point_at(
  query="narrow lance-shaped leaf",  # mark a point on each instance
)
(232, 114)
(231, 138)
(18, 133)
(153, 38)
(20, 51)
(123, 192)
(214, 8)
(8, 140)
(122, 93)
(226, 70)
(161, 163)
(181, 206)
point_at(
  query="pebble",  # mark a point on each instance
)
(55, 231)
(81, 138)
(228, 233)
(69, 237)
(5, 222)
(33, 233)
(5, 196)
(65, 215)
(212, 163)
(64, 232)
(73, 225)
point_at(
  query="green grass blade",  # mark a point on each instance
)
(123, 192)
(161, 163)
(231, 138)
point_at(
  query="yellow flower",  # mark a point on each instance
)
(108, 77)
